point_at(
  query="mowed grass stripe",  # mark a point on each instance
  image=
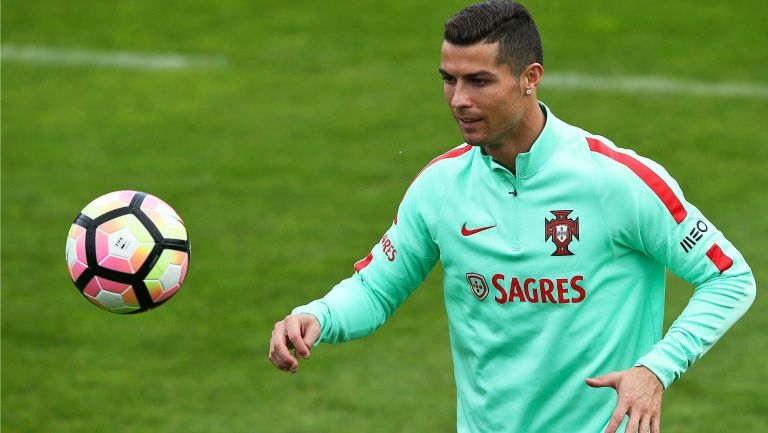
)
(653, 84)
(558, 80)
(116, 59)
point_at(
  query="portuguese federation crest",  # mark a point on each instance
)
(562, 230)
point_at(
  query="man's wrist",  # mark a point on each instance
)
(650, 372)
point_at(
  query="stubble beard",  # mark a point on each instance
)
(489, 142)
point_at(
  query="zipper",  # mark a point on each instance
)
(512, 181)
(515, 195)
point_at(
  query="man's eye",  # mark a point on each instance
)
(449, 80)
(479, 82)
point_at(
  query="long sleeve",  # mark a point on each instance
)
(647, 212)
(724, 289)
(396, 265)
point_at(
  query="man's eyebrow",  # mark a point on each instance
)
(479, 73)
(471, 75)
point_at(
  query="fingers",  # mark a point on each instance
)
(639, 394)
(311, 327)
(617, 417)
(279, 353)
(632, 424)
(300, 332)
(645, 424)
(293, 330)
(610, 379)
(655, 421)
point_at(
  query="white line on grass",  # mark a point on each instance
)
(562, 80)
(652, 84)
(116, 59)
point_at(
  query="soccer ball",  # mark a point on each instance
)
(127, 252)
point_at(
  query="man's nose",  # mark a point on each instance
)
(460, 97)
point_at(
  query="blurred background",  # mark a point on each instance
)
(285, 134)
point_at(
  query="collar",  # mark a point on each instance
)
(529, 162)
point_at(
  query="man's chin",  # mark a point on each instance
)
(474, 140)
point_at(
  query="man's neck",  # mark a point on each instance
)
(529, 129)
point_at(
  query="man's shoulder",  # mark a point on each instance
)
(428, 188)
(609, 162)
(624, 177)
(616, 165)
(446, 165)
(616, 171)
(430, 185)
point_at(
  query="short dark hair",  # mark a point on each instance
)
(498, 20)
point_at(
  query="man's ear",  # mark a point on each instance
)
(531, 76)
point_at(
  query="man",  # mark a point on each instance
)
(554, 244)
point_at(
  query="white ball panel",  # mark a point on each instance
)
(122, 243)
(169, 216)
(170, 277)
(71, 252)
(110, 300)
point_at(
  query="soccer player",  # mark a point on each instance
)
(554, 244)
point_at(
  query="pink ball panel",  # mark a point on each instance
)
(112, 286)
(92, 288)
(81, 256)
(126, 196)
(168, 293)
(184, 266)
(77, 270)
(102, 245)
(117, 264)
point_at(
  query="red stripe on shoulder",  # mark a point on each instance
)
(453, 153)
(361, 264)
(653, 180)
(719, 258)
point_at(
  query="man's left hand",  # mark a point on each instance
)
(639, 393)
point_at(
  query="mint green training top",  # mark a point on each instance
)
(552, 275)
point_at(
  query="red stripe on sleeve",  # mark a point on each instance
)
(719, 258)
(653, 180)
(361, 264)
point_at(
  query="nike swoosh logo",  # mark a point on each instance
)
(469, 232)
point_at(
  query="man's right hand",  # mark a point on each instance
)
(296, 331)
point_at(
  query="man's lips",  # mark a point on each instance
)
(467, 121)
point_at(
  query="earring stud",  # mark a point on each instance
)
(528, 91)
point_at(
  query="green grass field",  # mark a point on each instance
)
(287, 163)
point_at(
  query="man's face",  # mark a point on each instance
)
(486, 99)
